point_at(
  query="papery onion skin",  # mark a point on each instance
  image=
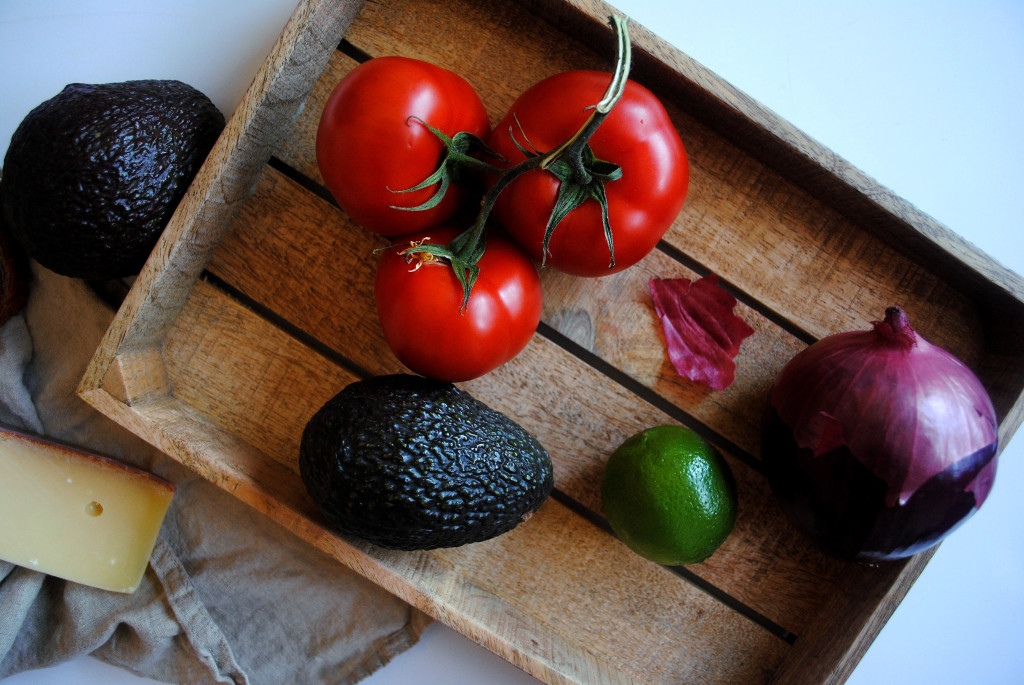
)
(877, 443)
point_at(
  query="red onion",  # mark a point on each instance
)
(877, 443)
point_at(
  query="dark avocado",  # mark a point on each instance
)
(93, 174)
(410, 463)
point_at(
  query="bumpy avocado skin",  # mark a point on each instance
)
(93, 175)
(410, 463)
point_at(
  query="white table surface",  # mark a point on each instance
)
(926, 97)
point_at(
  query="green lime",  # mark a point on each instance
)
(669, 495)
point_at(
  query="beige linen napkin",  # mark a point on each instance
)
(229, 596)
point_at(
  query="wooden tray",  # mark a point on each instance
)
(256, 306)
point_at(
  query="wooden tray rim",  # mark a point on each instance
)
(111, 383)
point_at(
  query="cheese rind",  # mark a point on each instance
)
(77, 515)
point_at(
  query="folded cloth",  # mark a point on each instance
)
(229, 596)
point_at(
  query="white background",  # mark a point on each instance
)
(926, 97)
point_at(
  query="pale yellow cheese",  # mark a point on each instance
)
(77, 515)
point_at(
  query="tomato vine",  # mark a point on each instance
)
(581, 174)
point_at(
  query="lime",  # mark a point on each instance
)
(669, 495)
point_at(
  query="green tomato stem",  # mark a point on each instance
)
(572, 149)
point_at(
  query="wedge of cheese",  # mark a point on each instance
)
(77, 515)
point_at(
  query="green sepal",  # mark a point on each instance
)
(526, 147)
(578, 183)
(458, 153)
(441, 178)
(464, 267)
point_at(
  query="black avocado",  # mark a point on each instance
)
(93, 175)
(410, 463)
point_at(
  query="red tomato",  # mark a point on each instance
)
(367, 146)
(419, 305)
(637, 135)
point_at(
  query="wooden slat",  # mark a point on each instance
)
(273, 390)
(300, 256)
(667, 628)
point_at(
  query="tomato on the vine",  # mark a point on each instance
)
(372, 141)
(419, 305)
(638, 136)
